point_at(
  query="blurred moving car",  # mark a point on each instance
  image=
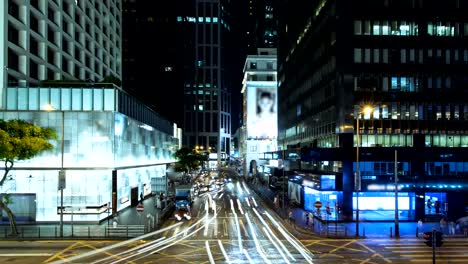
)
(183, 212)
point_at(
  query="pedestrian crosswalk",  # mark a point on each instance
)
(453, 250)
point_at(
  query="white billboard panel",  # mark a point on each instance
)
(262, 116)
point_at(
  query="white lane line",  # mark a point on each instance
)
(247, 256)
(224, 251)
(209, 252)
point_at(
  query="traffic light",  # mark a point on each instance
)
(429, 238)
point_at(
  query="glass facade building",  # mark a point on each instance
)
(405, 59)
(105, 150)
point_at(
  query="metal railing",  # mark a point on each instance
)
(77, 231)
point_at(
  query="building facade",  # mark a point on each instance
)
(259, 132)
(114, 149)
(59, 40)
(208, 82)
(155, 64)
(111, 147)
(407, 60)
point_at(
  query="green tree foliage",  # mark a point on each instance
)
(20, 140)
(188, 160)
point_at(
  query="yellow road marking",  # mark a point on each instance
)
(427, 260)
(373, 251)
(174, 256)
(58, 254)
(340, 247)
(96, 248)
(185, 244)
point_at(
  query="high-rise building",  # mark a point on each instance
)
(408, 62)
(192, 65)
(111, 148)
(260, 97)
(209, 76)
(153, 54)
(59, 40)
(261, 25)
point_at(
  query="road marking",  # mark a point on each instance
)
(427, 260)
(225, 227)
(241, 223)
(26, 255)
(58, 254)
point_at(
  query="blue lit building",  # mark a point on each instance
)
(408, 61)
(114, 147)
(114, 150)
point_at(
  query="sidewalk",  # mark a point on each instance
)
(128, 217)
(367, 229)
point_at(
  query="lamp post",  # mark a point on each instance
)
(62, 173)
(397, 224)
(61, 184)
(365, 109)
(284, 181)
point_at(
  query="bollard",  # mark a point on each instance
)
(391, 235)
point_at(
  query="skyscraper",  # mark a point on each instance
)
(209, 76)
(193, 65)
(59, 40)
(406, 60)
(154, 47)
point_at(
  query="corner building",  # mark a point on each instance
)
(408, 60)
(111, 147)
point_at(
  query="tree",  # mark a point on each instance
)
(20, 140)
(188, 160)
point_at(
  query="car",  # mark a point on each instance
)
(182, 213)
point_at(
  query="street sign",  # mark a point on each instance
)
(318, 204)
(140, 208)
(61, 180)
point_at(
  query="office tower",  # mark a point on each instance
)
(153, 55)
(408, 61)
(59, 40)
(209, 76)
(261, 25)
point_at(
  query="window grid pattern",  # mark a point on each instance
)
(65, 39)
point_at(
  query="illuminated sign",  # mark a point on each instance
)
(262, 117)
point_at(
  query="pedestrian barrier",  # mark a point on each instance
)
(76, 231)
(126, 231)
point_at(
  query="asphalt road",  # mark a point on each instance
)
(231, 225)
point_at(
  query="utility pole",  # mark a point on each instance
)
(397, 224)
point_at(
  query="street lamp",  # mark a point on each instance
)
(61, 184)
(365, 110)
(397, 224)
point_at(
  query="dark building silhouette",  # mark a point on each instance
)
(153, 55)
(186, 53)
(408, 60)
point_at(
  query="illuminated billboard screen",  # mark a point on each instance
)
(327, 182)
(261, 112)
